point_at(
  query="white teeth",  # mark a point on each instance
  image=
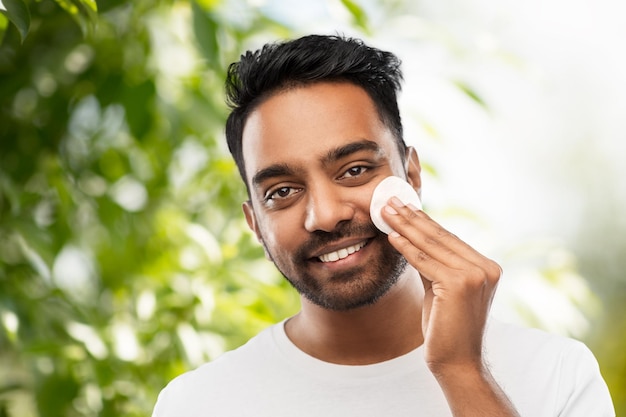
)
(341, 253)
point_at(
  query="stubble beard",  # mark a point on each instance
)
(358, 287)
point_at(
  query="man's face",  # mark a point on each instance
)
(313, 156)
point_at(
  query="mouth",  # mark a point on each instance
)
(342, 253)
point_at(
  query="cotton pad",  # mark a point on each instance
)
(387, 188)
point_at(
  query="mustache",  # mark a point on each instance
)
(320, 238)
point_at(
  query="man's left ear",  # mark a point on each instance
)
(413, 169)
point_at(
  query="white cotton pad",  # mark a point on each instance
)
(387, 188)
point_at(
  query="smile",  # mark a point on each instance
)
(342, 253)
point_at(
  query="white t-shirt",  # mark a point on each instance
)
(544, 376)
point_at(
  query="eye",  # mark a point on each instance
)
(281, 193)
(355, 171)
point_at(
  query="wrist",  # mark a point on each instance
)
(471, 390)
(472, 372)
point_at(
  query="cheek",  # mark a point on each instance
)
(366, 199)
(278, 232)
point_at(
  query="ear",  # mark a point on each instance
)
(414, 169)
(248, 212)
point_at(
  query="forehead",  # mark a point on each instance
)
(300, 125)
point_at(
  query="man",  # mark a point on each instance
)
(393, 325)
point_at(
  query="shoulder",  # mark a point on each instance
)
(559, 372)
(211, 382)
(504, 339)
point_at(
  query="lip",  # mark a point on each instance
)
(339, 245)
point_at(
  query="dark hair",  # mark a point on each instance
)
(310, 59)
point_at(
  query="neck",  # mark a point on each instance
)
(387, 329)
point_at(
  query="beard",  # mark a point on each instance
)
(350, 289)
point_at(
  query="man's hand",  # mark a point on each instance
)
(459, 286)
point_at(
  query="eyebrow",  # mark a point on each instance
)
(272, 171)
(333, 155)
(341, 152)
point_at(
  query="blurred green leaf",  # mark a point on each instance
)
(138, 102)
(206, 31)
(358, 14)
(471, 93)
(88, 9)
(56, 393)
(84, 12)
(430, 169)
(19, 15)
(8, 387)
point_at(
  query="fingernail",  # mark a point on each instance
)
(396, 202)
(394, 234)
(412, 207)
(390, 210)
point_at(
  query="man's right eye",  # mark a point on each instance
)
(281, 193)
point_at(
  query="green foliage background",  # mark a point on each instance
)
(124, 259)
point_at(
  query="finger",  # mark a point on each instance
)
(438, 253)
(429, 236)
(431, 269)
(468, 275)
(432, 234)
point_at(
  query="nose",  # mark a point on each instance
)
(327, 206)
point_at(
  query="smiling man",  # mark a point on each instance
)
(390, 325)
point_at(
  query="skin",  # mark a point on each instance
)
(304, 190)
